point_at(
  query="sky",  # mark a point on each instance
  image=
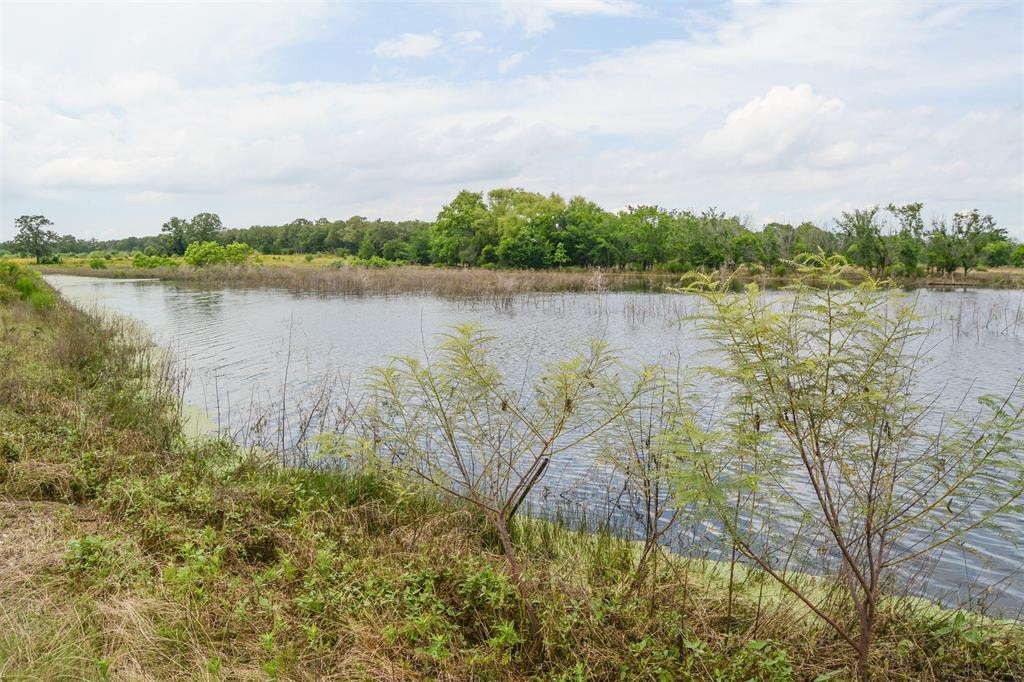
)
(116, 117)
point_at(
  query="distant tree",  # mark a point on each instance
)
(176, 234)
(585, 233)
(1017, 259)
(812, 239)
(941, 248)
(972, 232)
(644, 231)
(205, 227)
(460, 230)
(394, 249)
(238, 253)
(33, 238)
(780, 239)
(366, 248)
(908, 243)
(996, 253)
(769, 248)
(862, 237)
(745, 247)
(527, 247)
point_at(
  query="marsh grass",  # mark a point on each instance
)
(133, 552)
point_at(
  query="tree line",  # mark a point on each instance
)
(514, 228)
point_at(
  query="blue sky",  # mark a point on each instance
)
(116, 117)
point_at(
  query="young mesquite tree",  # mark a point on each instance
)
(825, 434)
(640, 446)
(455, 422)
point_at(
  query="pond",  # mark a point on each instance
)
(248, 349)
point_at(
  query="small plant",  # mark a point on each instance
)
(89, 556)
(458, 424)
(97, 264)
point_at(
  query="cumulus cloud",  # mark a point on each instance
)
(409, 46)
(774, 129)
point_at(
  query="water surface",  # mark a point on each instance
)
(244, 349)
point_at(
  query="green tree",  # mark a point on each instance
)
(366, 247)
(526, 247)
(33, 238)
(908, 243)
(458, 423)
(394, 249)
(461, 230)
(176, 234)
(1017, 259)
(238, 253)
(745, 247)
(821, 396)
(996, 253)
(942, 255)
(584, 233)
(204, 227)
(862, 238)
(971, 233)
(644, 231)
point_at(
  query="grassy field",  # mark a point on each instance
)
(129, 551)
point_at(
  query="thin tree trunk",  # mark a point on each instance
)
(501, 525)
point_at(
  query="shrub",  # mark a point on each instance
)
(779, 271)
(1018, 257)
(97, 264)
(200, 254)
(239, 253)
(143, 261)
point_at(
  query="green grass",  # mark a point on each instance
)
(138, 552)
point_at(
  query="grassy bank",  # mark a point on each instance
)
(329, 275)
(131, 552)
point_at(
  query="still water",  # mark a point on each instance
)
(244, 348)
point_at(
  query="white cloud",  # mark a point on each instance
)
(511, 62)
(538, 16)
(467, 37)
(409, 46)
(771, 129)
(170, 38)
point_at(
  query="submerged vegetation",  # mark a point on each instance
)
(133, 550)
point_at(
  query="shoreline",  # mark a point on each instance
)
(482, 282)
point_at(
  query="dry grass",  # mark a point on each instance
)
(321, 276)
